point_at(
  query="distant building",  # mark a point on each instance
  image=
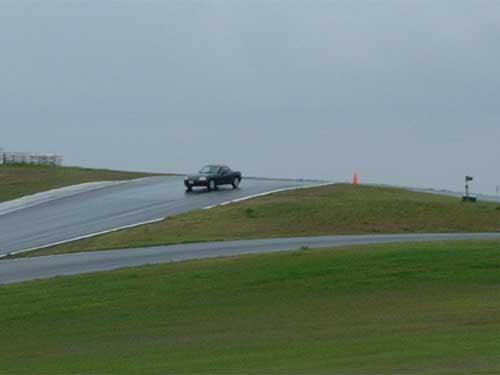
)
(30, 158)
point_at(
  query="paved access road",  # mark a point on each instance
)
(17, 270)
(115, 206)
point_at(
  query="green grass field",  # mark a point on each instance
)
(339, 209)
(430, 308)
(19, 180)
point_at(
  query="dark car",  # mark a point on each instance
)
(212, 176)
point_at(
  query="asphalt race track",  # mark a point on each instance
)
(116, 206)
(24, 269)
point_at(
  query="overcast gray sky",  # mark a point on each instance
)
(404, 92)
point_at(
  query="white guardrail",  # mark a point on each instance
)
(30, 158)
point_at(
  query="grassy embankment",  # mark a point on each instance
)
(19, 180)
(430, 308)
(339, 209)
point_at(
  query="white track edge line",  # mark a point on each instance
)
(160, 219)
(99, 185)
(82, 237)
(268, 193)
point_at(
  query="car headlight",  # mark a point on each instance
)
(202, 178)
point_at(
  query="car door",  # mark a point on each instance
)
(219, 179)
(226, 175)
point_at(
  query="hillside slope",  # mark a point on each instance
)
(337, 209)
(386, 309)
(20, 180)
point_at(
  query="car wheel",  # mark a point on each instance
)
(236, 183)
(189, 189)
(212, 185)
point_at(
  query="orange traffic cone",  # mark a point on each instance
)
(355, 180)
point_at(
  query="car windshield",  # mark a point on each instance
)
(210, 169)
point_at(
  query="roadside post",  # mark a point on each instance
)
(467, 197)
